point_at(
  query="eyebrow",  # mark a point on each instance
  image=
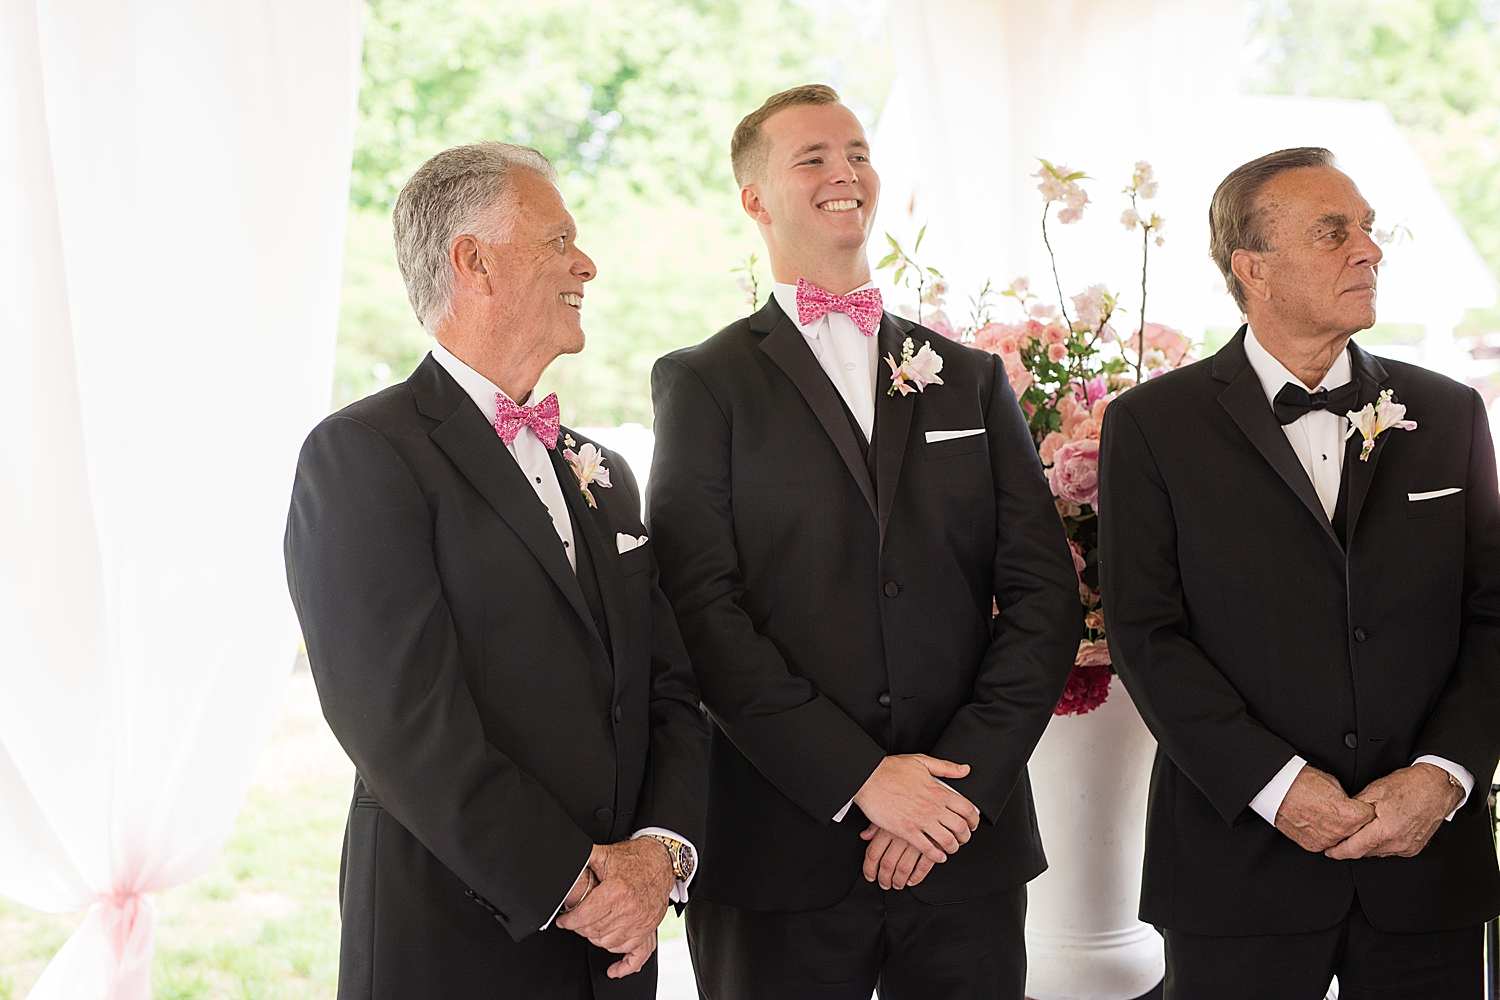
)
(818, 147)
(1338, 220)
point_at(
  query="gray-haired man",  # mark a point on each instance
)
(484, 625)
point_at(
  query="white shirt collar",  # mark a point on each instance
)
(480, 389)
(1273, 374)
(786, 297)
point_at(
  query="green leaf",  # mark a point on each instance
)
(920, 233)
(886, 262)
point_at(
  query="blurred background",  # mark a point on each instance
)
(634, 100)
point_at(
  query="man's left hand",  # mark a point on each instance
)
(622, 914)
(891, 861)
(1410, 805)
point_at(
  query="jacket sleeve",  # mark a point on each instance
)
(674, 795)
(801, 741)
(1462, 726)
(1192, 709)
(384, 654)
(1041, 618)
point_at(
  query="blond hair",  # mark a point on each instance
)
(750, 150)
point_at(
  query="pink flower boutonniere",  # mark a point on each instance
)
(916, 371)
(587, 464)
(1377, 418)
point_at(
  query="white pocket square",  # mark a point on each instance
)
(1434, 494)
(935, 436)
(628, 542)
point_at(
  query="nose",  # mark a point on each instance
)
(583, 266)
(1365, 252)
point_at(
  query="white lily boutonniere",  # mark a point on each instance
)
(1377, 418)
(587, 464)
(916, 371)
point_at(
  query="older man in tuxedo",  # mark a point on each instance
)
(1310, 625)
(482, 615)
(834, 540)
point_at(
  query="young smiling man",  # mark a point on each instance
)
(833, 548)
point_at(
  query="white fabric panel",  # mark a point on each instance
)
(174, 178)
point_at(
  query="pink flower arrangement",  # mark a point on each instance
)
(1065, 371)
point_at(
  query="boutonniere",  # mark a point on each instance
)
(587, 464)
(916, 371)
(1377, 418)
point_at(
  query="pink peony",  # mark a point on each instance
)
(1048, 448)
(992, 337)
(1092, 654)
(1074, 475)
(1056, 353)
(1087, 688)
(1019, 375)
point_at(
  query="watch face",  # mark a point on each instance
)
(685, 865)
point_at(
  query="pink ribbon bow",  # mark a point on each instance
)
(863, 306)
(542, 418)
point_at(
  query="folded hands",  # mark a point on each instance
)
(915, 820)
(1393, 816)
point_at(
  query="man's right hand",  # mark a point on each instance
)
(1317, 814)
(904, 797)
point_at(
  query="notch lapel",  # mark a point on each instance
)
(1245, 400)
(785, 345)
(606, 556)
(892, 424)
(1372, 375)
(479, 454)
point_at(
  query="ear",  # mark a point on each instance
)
(1250, 268)
(470, 264)
(753, 206)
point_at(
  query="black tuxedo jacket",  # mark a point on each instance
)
(498, 730)
(1247, 631)
(836, 602)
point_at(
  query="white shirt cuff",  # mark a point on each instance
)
(1268, 801)
(565, 897)
(1457, 770)
(679, 892)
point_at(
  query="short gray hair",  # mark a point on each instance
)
(1236, 222)
(457, 192)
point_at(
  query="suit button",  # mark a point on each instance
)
(885, 698)
(1360, 635)
(891, 590)
(1351, 741)
(619, 713)
(604, 814)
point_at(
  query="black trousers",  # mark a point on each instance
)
(1370, 964)
(876, 938)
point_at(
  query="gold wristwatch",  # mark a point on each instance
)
(682, 858)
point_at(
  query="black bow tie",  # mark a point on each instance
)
(1294, 402)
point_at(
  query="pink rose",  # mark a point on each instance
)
(1074, 475)
(1172, 344)
(1080, 561)
(1055, 334)
(1092, 654)
(1049, 446)
(1087, 688)
(992, 338)
(1019, 375)
(1056, 353)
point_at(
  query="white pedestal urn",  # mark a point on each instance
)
(1089, 776)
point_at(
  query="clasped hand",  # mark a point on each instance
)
(1393, 816)
(915, 821)
(622, 913)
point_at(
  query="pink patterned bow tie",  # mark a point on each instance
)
(863, 306)
(542, 418)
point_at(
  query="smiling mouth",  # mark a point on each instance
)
(572, 299)
(842, 205)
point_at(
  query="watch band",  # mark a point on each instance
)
(682, 861)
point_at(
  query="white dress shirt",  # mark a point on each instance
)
(848, 356)
(1318, 439)
(531, 455)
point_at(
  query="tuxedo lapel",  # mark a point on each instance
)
(1244, 398)
(605, 553)
(478, 453)
(785, 345)
(1372, 375)
(892, 424)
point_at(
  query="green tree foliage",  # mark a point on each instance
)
(634, 100)
(1434, 63)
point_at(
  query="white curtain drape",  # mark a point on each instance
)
(173, 179)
